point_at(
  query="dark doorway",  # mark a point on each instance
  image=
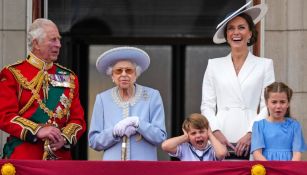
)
(178, 31)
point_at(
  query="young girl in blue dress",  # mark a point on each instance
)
(277, 137)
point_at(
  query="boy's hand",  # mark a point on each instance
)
(209, 131)
(185, 134)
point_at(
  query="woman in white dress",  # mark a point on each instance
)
(232, 91)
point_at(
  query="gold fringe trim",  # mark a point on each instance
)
(26, 124)
(70, 132)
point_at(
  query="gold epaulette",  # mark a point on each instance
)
(14, 64)
(65, 68)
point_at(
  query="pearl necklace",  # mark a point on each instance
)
(118, 100)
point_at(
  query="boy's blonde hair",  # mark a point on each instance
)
(196, 121)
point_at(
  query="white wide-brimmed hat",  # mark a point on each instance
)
(256, 12)
(133, 54)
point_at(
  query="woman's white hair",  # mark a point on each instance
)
(138, 69)
(36, 31)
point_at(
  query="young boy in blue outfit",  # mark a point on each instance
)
(193, 145)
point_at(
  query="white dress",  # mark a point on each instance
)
(230, 101)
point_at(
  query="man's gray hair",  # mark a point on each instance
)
(36, 31)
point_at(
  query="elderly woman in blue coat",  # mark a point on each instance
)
(128, 121)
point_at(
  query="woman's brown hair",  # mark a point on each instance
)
(251, 26)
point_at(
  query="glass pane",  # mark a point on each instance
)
(196, 63)
(158, 76)
(130, 18)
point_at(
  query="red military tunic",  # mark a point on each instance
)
(32, 95)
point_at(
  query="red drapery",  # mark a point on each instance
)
(39, 167)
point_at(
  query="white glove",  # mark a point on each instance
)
(130, 130)
(132, 121)
(120, 127)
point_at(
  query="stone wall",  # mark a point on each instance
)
(286, 43)
(12, 36)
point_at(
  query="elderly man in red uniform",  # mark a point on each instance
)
(39, 100)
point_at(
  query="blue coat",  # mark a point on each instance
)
(109, 110)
